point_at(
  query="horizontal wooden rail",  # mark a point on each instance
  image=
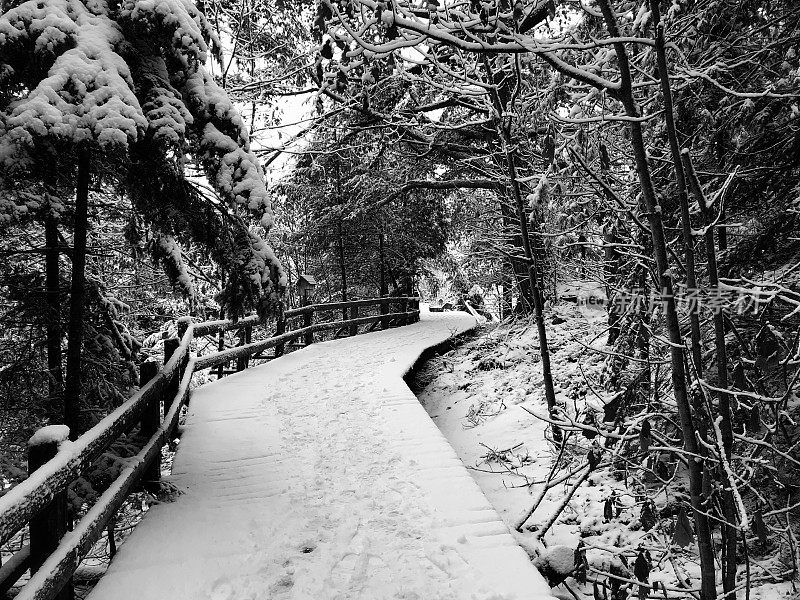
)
(59, 567)
(211, 327)
(14, 568)
(20, 504)
(169, 386)
(217, 358)
(293, 312)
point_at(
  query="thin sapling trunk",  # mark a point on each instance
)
(652, 207)
(77, 301)
(680, 181)
(723, 398)
(55, 379)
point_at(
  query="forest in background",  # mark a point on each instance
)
(491, 148)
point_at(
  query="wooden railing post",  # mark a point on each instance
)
(385, 305)
(403, 308)
(308, 320)
(183, 325)
(151, 419)
(244, 338)
(172, 383)
(49, 526)
(354, 315)
(248, 338)
(280, 329)
(415, 306)
(221, 346)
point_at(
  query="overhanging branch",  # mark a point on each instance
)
(427, 184)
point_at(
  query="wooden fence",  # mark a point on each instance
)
(40, 501)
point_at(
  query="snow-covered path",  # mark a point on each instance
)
(319, 476)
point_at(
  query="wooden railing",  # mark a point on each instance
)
(53, 554)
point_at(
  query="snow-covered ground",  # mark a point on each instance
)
(319, 476)
(478, 401)
(478, 394)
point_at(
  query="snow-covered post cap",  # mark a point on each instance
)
(49, 525)
(183, 324)
(51, 434)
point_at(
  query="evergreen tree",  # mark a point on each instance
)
(119, 95)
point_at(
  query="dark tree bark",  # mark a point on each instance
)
(533, 266)
(611, 268)
(652, 207)
(722, 232)
(533, 279)
(340, 235)
(384, 286)
(72, 388)
(518, 267)
(726, 427)
(55, 379)
(680, 180)
(643, 336)
(393, 278)
(342, 266)
(408, 285)
(220, 316)
(506, 277)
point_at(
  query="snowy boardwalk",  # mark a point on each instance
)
(319, 476)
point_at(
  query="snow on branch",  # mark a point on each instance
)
(223, 141)
(86, 95)
(177, 22)
(130, 79)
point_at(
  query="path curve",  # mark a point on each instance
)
(319, 476)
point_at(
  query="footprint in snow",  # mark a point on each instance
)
(282, 585)
(343, 571)
(221, 590)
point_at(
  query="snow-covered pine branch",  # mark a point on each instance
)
(130, 79)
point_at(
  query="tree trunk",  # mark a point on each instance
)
(652, 208)
(519, 269)
(643, 336)
(533, 278)
(393, 279)
(342, 266)
(77, 300)
(534, 268)
(680, 180)
(55, 379)
(507, 299)
(384, 286)
(722, 232)
(611, 269)
(221, 345)
(221, 335)
(726, 427)
(408, 285)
